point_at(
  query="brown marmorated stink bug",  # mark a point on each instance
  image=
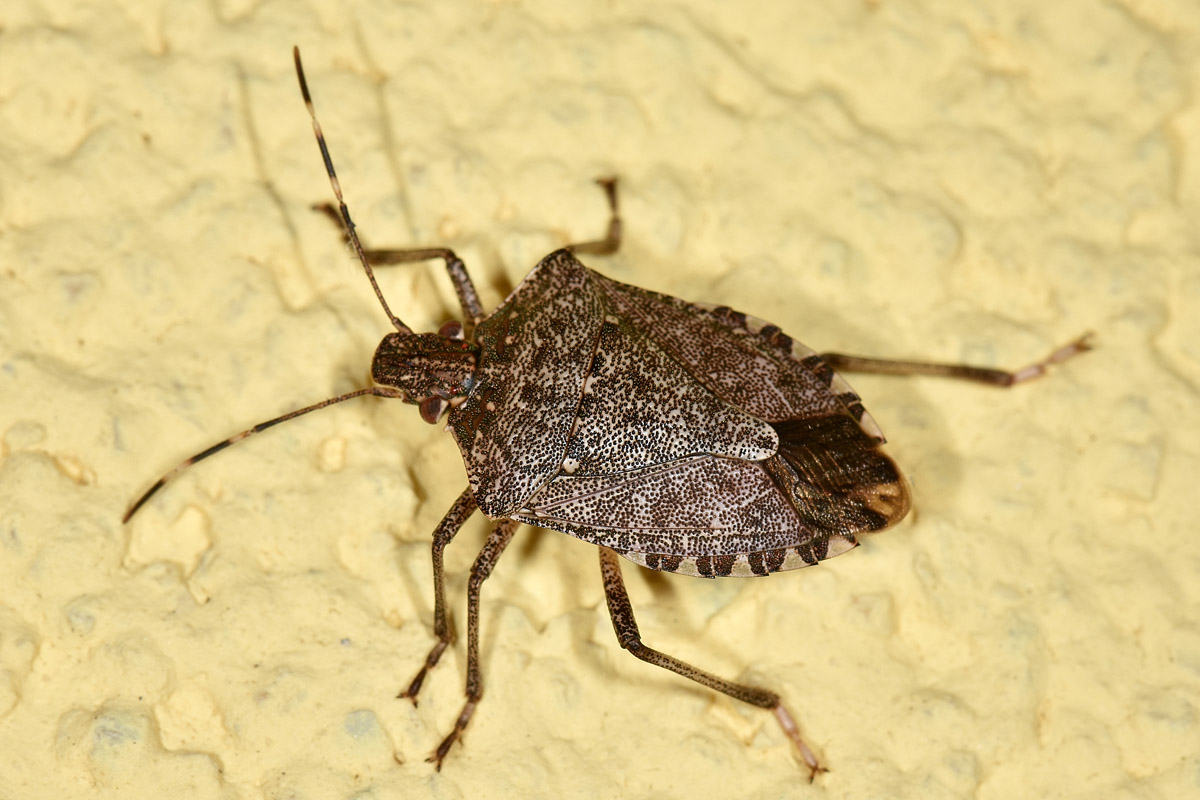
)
(687, 438)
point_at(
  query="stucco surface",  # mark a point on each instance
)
(961, 181)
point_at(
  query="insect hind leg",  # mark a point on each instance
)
(621, 611)
(966, 372)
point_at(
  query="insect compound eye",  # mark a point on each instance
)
(431, 408)
(451, 330)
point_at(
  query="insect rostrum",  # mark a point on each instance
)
(685, 437)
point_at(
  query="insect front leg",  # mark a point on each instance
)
(499, 538)
(464, 287)
(966, 372)
(450, 525)
(468, 298)
(630, 639)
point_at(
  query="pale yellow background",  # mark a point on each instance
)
(952, 180)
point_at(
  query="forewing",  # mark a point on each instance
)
(694, 506)
(715, 516)
(688, 438)
(749, 363)
(721, 513)
(641, 407)
(566, 384)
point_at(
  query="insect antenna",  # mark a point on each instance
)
(351, 234)
(378, 391)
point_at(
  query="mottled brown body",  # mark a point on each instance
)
(687, 438)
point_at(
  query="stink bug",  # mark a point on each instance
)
(687, 438)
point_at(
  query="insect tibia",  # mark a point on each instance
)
(425, 366)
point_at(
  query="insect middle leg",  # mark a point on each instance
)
(966, 372)
(450, 525)
(499, 538)
(630, 639)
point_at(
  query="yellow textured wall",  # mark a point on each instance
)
(976, 181)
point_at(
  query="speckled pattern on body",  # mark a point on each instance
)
(958, 181)
(617, 415)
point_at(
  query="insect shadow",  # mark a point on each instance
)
(684, 437)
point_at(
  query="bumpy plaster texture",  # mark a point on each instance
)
(962, 181)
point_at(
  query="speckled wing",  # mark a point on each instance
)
(714, 516)
(747, 362)
(672, 506)
(564, 386)
(639, 407)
